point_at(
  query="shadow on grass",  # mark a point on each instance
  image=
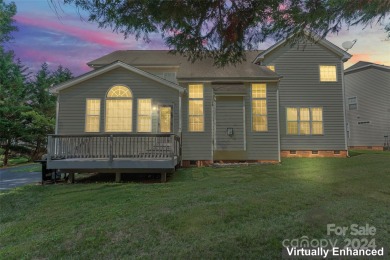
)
(353, 153)
(125, 178)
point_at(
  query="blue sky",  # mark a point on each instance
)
(65, 38)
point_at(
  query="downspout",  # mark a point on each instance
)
(344, 107)
(57, 113)
(278, 120)
(180, 134)
(180, 114)
(50, 140)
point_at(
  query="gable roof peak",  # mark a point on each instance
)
(310, 35)
(109, 67)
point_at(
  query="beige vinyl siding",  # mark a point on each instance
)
(372, 88)
(301, 87)
(73, 99)
(263, 145)
(230, 114)
(198, 145)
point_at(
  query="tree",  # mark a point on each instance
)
(27, 109)
(7, 11)
(41, 119)
(224, 29)
(12, 102)
(12, 91)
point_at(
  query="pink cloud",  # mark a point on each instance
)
(360, 57)
(99, 37)
(76, 65)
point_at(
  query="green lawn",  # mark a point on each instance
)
(241, 212)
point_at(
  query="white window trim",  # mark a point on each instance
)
(319, 73)
(310, 121)
(266, 104)
(188, 109)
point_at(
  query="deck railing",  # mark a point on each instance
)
(111, 146)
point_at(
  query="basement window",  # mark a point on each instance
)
(193, 163)
(293, 152)
(314, 152)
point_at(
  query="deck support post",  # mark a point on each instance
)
(163, 177)
(111, 156)
(118, 177)
(71, 177)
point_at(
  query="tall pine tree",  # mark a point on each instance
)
(41, 119)
(13, 104)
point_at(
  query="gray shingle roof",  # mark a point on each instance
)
(203, 69)
(361, 65)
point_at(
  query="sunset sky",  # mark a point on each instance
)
(64, 38)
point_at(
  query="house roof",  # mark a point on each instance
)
(230, 89)
(109, 67)
(361, 65)
(186, 70)
(324, 42)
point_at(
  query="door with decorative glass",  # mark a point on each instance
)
(165, 119)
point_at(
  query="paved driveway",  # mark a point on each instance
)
(18, 176)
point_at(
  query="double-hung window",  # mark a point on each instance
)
(92, 115)
(195, 108)
(304, 121)
(328, 73)
(144, 115)
(259, 107)
(352, 103)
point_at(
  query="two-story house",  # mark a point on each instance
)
(151, 110)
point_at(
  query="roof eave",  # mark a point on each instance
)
(224, 79)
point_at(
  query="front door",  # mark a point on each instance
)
(230, 123)
(165, 119)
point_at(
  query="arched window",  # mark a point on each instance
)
(119, 109)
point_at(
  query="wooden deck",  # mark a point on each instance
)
(124, 153)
